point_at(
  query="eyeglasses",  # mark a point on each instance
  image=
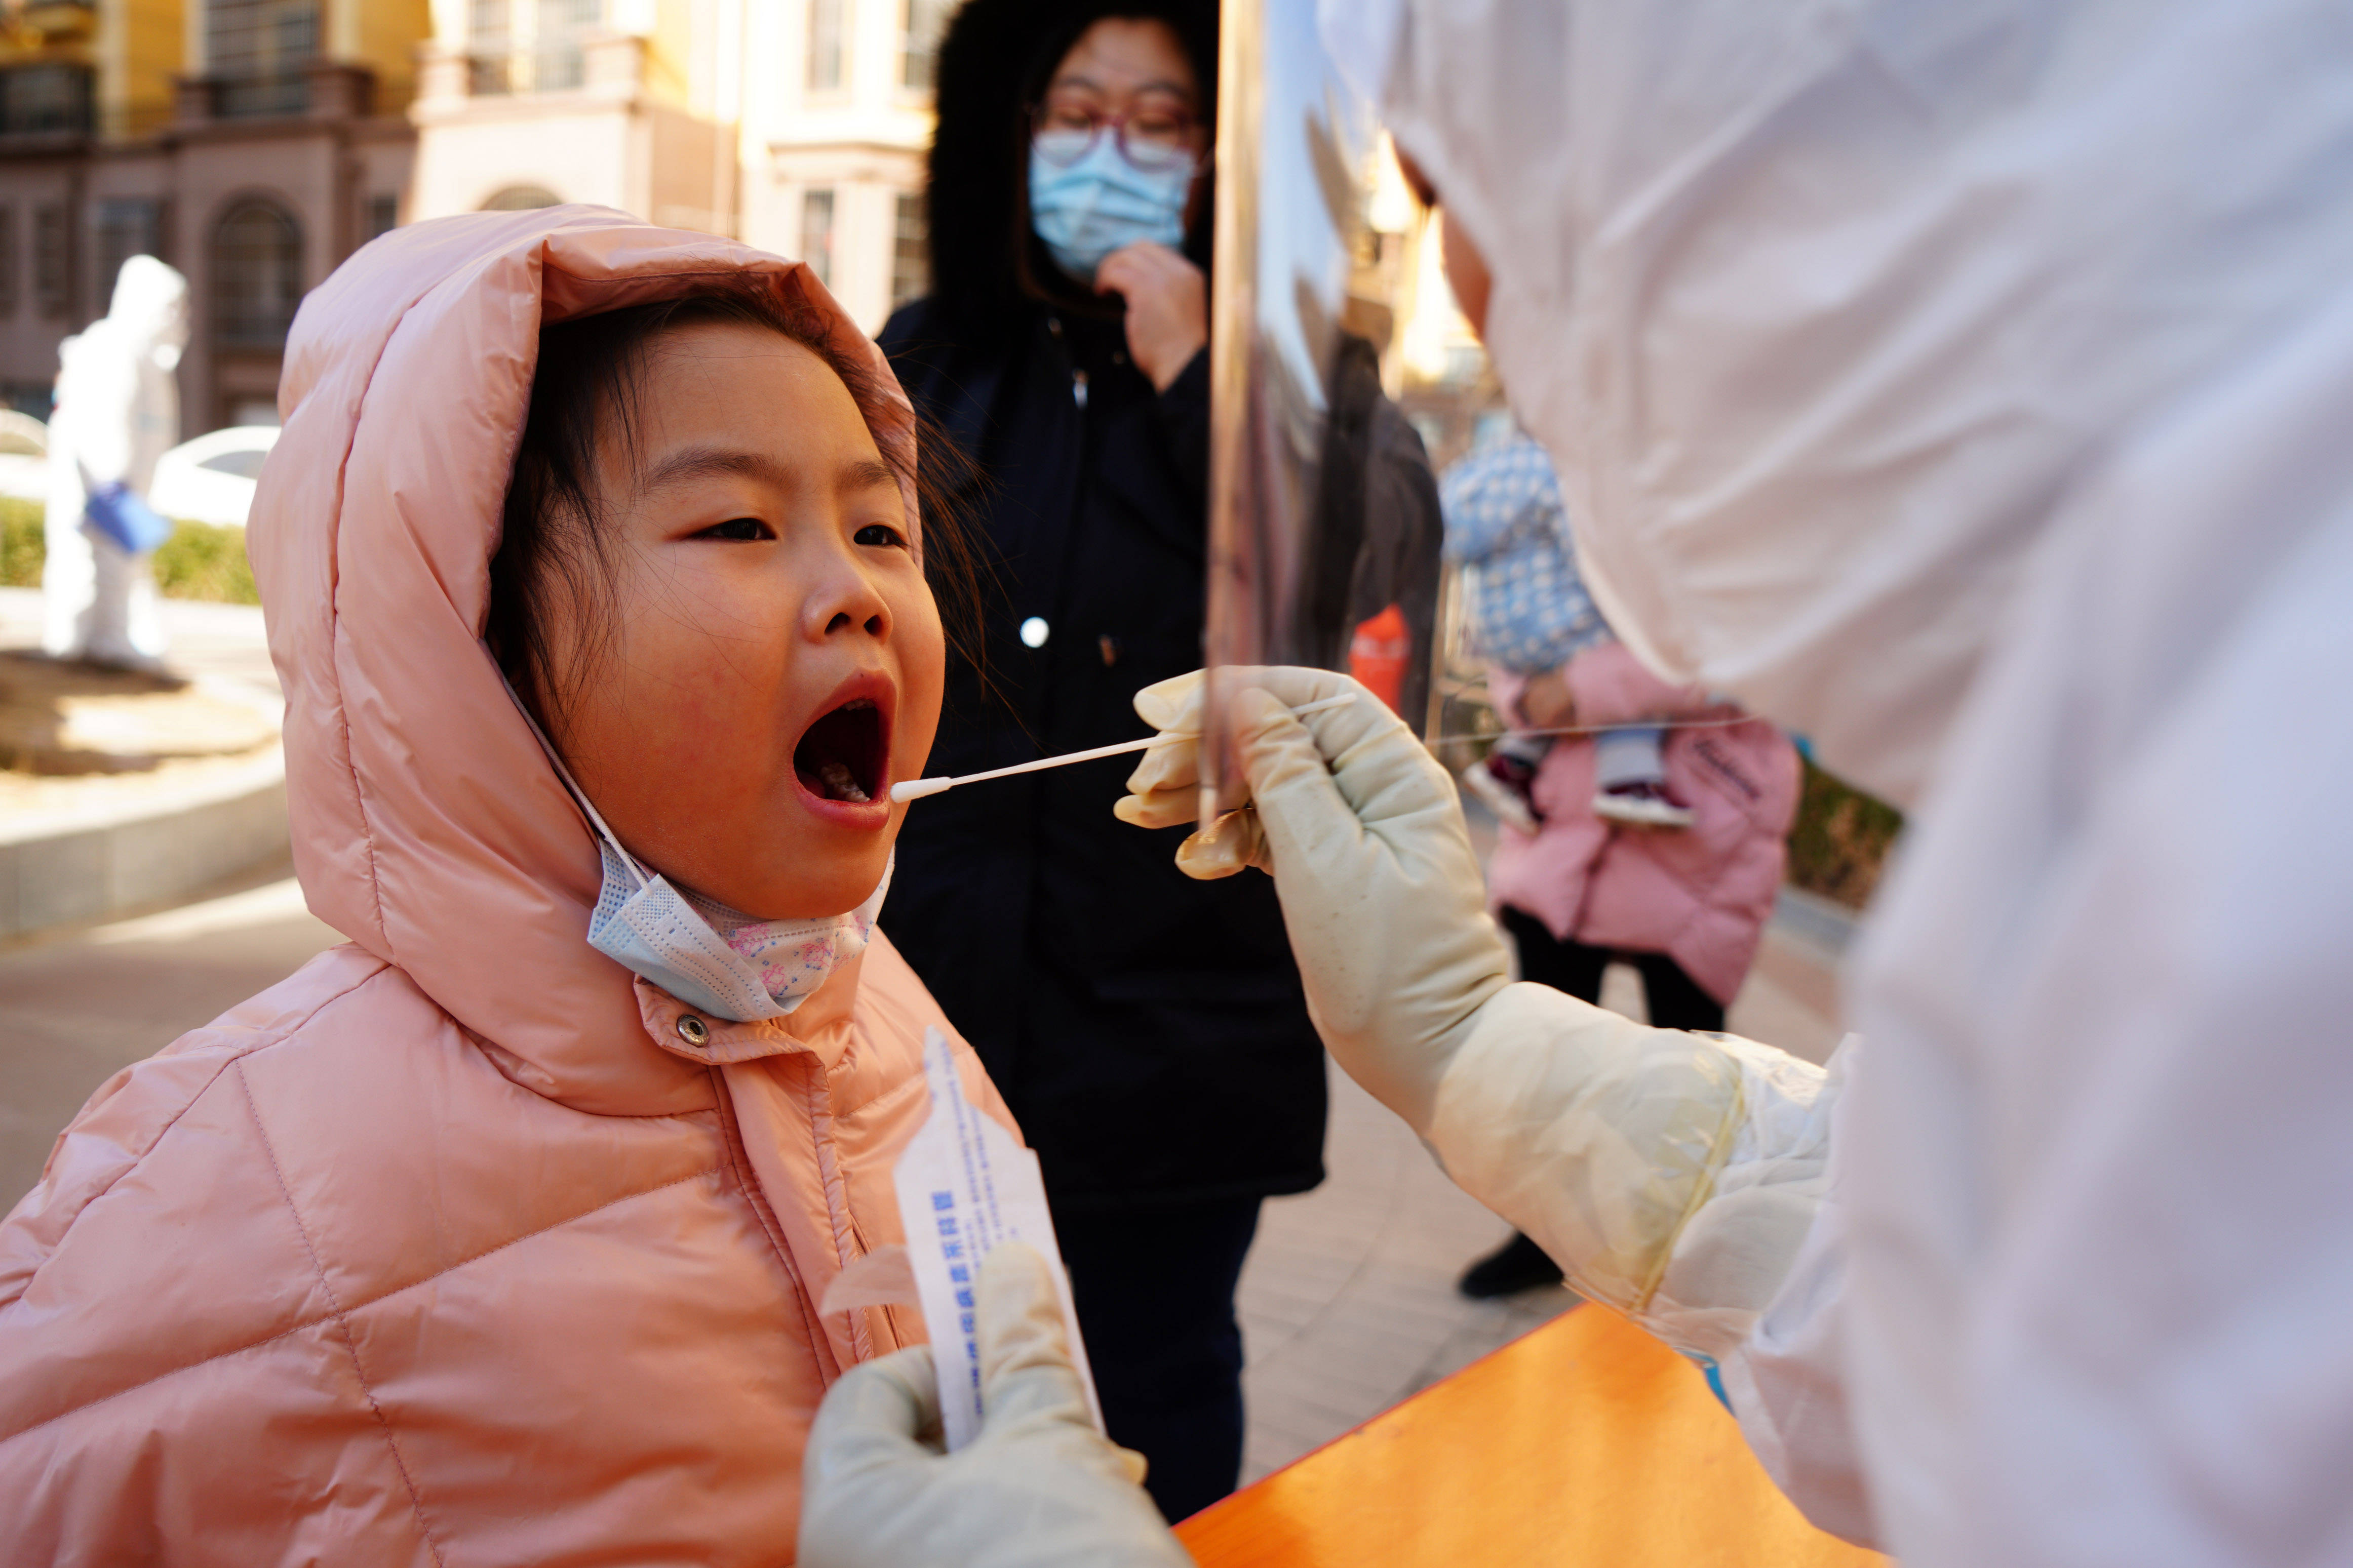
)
(1153, 137)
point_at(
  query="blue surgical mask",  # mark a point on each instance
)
(716, 960)
(1087, 209)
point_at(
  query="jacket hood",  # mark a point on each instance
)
(994, 60)
(1826, 308)
(429, 828)
(150, 305)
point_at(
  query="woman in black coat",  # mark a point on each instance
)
(1147, 1030)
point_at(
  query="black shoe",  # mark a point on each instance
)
(1518, 1264)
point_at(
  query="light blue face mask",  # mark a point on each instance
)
(1087, 209)
(716, 960)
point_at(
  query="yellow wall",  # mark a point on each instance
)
(668, 51)
(384, 40)
(134, 46)
(138, 47)
(140, 44)
(66, 33)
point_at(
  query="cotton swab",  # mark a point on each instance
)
(916, 789)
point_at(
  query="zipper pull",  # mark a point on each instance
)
(1078, 387)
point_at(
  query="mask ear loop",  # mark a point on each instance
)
(579, 796)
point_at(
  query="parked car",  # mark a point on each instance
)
(210, 479)
(24, 456)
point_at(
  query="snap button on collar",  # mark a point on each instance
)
(693, 1030)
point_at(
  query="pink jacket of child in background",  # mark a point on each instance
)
(449, 1248)
(1702, 894)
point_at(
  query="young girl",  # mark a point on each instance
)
(467, 1243)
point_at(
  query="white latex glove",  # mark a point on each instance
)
(1384, 899)
(1039, 1487)
(1671, 1175)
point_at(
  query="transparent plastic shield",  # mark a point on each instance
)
(1323, 522)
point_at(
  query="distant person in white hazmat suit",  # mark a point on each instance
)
(118, 410)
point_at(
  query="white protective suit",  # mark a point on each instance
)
(118, 410)
(1966, 385)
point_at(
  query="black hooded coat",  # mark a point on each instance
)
(1148, 1030)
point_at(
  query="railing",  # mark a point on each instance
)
(260, 94)
(505, 72)
(49, 100)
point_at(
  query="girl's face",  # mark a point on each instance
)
(775, 658)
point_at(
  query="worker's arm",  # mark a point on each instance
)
(1673, 1176)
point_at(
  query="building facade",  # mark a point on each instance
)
(252, 143)
(255, 143)
(797, 125)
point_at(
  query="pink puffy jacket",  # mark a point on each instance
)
(448, 1249)
(1701, 895)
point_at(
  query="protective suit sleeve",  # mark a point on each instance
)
(1673, 1176)
(1039, 1488)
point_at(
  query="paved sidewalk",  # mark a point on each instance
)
(203, 639)
(76, 1008)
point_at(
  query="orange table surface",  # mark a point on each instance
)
(1585, 1443)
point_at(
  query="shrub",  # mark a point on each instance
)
(199, 561)
(1841, 840)
(21, 550)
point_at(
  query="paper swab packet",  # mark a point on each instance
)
(966, 1184)
(915, 789)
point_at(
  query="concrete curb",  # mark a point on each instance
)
(1820, 922)
(80, 864)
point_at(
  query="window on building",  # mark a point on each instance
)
(9, 261)
(490, 46)
(910, 264)
(379, 215)
(559, 58)
(45, 101)
(828, 43)
(529, 45)
(258, 52)
(520, 199)
(816, 234)
(256, 266)
(120, 228)
(921, 21)
(53, 290)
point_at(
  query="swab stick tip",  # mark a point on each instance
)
(916, 789)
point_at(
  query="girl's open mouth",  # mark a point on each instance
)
(845, 755)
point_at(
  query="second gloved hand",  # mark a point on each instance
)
(1382, 891)
(1039, 1488)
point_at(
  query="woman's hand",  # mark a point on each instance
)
(1168, 307)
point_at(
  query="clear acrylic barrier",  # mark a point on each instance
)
(1323, 519)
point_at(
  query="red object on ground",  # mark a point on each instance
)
(1377, 655)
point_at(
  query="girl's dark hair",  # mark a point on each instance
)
(555, 541)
